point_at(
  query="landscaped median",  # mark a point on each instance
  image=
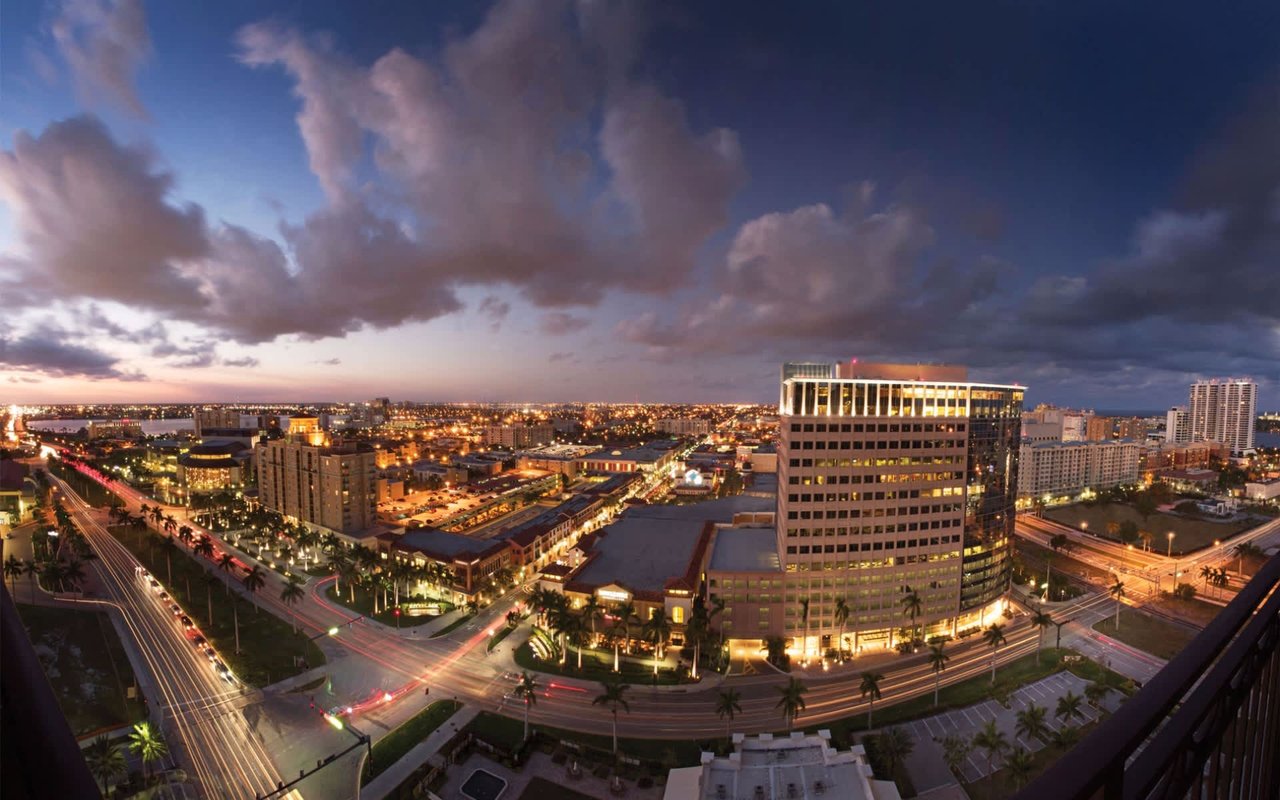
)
(393, 747)
(270, 649)
(1149, 634)
(363, 604)
(542, 654)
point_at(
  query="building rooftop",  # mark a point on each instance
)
(746, 550)
(443, 544)
(797, 766)
(650, 545)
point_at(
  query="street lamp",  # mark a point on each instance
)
(1170, 552)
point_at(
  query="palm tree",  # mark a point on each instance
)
(291, 594)
(1147, 537)
(614, 697)
(1095, 692)
(871, 688)
(1243, 550)
(619, 625)
(1065, 738)
(894, 745)
(656, 630)
(727, 705)
(104, 759)
(253, 581)
(627, 613)
(991, 739)
(912, 606)
(591, 611)
(804, 617)
(696, 631)
(527, 691)
(203, 547)
(842, 618)
(792, 700)
(209, 580)
(1206, 572)
(994, 637)
(1031, 723)
(1117, 591)
(1068, 707)
(955, 751)
(1041, 620)
(225, 563)
(147, 742)
(937, 662)
(1020, 765)
(185, 534)
(167, 547)
(1220, 580)
(32, 568)
(13, 569)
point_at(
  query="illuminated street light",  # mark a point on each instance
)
(1169, 554)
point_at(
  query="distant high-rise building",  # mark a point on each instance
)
(216, 418)
(518, 437)
(1134, 428)
(1075, 426)
(684, 426)
(1177, 425)
(1099, 429)
(1223, 410)
(892, 476)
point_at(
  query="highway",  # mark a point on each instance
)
(200, 712)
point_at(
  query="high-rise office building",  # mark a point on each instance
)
(325, 485)
(1223, 410)
(1177, 425)
(894, 476)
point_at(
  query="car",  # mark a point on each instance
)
(199, 641)
(163, 595)
(186, 621)
(176, 609)
(155, 584)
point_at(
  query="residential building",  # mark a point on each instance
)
(1075, 426)
(797, 766)
(1041, 431)
(114, 429)
(1059, 471)
(1134, 428)
(1223, 410)
(329, 486)
(1163, 457)
(684, 426)
(1177, 425)
(517, 437)
(1099, 429)
(215, 418)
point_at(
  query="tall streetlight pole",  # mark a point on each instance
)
(1170, 553)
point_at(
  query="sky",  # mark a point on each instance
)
(616, 201)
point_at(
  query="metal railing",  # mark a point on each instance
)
(1206, 726)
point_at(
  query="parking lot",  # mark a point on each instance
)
(926, 764)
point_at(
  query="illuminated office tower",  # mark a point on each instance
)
(895, 476)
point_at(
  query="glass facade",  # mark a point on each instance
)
(991, 493)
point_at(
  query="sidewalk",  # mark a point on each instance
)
(398, 772)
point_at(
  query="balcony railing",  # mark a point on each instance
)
(1206, 726)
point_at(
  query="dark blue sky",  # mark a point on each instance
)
(1069, 196)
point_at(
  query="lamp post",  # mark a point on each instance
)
(1169, 554)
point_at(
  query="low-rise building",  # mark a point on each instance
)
(563, 459)
(17, 492)
(214, 467)
(1262, 491)
(1192, 480)
(797, 766)
(646, 458)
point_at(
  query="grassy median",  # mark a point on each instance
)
(393, 747)
(270, 650)
(1149, 634)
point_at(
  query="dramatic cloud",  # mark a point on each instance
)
(558, 323)
(495, 309)
(46, 349)
(104, 43)
(96, 219)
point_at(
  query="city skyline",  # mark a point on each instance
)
(611, 204)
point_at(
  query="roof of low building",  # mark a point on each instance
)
(745, 550)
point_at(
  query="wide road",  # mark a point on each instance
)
(383, 674)
(1154, 568)
(201, 713)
